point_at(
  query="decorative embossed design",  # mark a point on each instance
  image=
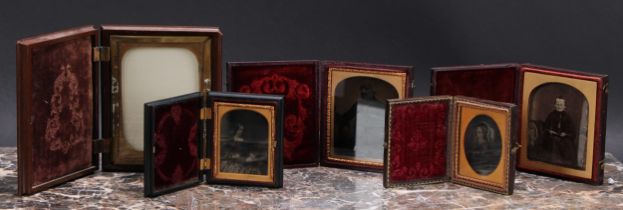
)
(62, 109)
(418, 141)
(296, 94)
(176, 153)
(65, 100)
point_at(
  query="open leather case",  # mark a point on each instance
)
(562, 113)
(81, 91)
(344, 100)
(468, 141)
(230, 138)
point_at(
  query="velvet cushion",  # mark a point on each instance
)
(497, 84)
(296, 82)
(418, 141)
(176, 136)
(62, 108)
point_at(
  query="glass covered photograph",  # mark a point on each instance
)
(558, 125)
(483, 144)
(360, 117)
(244, 143)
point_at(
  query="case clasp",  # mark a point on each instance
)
(101, 54)
(204, 164)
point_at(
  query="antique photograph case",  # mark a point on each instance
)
(464, 140)
(81, 92)
(563, 113)
(353, 111)
(230, 138)
(344, 101)
(563, 123)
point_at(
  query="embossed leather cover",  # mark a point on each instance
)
(56, 108)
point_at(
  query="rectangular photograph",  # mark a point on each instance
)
(246, 146)
(563, 114)
(354, 105)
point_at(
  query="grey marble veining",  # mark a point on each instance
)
(314, 188)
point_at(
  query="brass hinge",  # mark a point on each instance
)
(101, 54)
(206, 113)
(101, 145)
(204, 164)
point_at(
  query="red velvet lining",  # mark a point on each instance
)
(176, 137)
(418, 141)
(297, 83)
(62, 108)
(497, 84)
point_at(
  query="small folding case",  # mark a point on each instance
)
(228, 138)
(80, 93)
(345, 101)
(464, 140)
(563, 113)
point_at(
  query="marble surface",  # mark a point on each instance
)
(314, 188)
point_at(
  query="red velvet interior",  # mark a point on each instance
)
(497, 84)
(418, 141)
(62, 108)
(176, 138)
(297, 84)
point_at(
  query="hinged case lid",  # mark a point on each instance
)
(57, 107)
(240, 144)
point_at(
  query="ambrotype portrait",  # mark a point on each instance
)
(244, 143)
(558, 125)
(483, 144)
(359, 117)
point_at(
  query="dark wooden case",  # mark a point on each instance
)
(429, 131)
(203, 112)
(77, 59)
(467, 81)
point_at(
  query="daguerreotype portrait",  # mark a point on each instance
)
(483, 148)
(247, 138)
(244, 143)
(174, 131)
(465, 140)
(483, 144)
(558, 125)
(561, 123)
(355, 103)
